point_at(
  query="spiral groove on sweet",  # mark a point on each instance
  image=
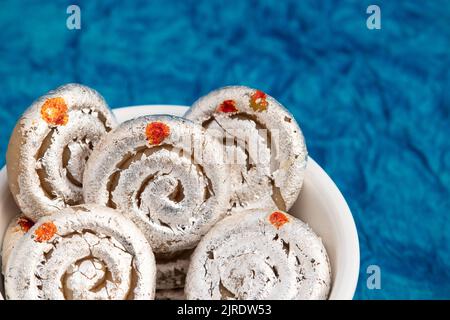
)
(166, 174)
(50, 146)
(259, 256)
(82, 252)
(264, 144)
(171, 274)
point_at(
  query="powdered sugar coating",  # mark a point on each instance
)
(248, 256)
(45, 158)
(269, 174)
(95, 253)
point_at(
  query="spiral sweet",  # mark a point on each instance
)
(259, 256)
(166, 174)
(82, 252)
(264, 144)
(49, 147)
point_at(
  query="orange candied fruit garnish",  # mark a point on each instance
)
(278, 219)
(54, 111)
(25, 223)
(258, 101)
(227, 106)
(45, 231)
(156, 132)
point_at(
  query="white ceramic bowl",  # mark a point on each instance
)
(320, 204)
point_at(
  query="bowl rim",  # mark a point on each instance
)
(351, 240)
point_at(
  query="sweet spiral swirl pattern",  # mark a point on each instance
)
(259, 256)
(83, 252)
(50, 145)
(265, 146)
(166, 174)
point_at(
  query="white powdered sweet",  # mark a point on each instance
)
(265, 146)
(164, 173)
(50, 145)
(259, 256)
(82, 252)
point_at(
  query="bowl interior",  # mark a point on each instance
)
(320, 204)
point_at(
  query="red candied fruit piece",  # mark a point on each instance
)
(25, 224)
(54, 111)
(156, 132)
(258, 101)
(227, 106)
(45, 231)
(278, 219)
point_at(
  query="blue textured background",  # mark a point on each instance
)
(373, 105)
